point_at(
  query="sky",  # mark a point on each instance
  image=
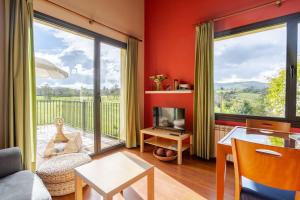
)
(75, 54)
(252, 57)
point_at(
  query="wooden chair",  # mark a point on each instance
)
(270, 125)
(265, 172)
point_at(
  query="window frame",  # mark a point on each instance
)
(291, 22)
(98, 39)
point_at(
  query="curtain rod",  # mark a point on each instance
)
(277, 3)
(91, 21)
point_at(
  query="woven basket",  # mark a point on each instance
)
(163, 158)
(60, 189)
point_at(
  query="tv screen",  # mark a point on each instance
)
(169, 118)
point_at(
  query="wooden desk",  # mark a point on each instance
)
(165, 139)
(112, 174)
(260, 136)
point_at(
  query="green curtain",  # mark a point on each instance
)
(129, 92)
(203, 123)
(20, 124)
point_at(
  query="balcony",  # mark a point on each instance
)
(78, 117)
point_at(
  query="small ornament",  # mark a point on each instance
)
(176, 84)
(60, 137)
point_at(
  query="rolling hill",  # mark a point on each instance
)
(242, 85)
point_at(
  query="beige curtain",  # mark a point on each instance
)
(20, 107)
(129, 92)
(204, 90)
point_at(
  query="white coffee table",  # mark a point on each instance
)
(112, 174)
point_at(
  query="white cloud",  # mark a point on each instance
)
(66, 57)
(254, 57)
(76, 42)
(72, 40)
(76, 85)
(79, 69)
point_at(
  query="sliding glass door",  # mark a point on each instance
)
(78, 80)
(110, 88)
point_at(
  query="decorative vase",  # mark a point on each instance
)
(158, 81)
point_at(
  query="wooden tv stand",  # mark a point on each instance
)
(167, 139)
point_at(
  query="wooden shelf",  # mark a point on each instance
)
(166, 143)
(169, 92)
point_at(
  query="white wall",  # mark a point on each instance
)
(124, 15)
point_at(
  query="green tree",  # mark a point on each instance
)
(275, 97)
(243, 107)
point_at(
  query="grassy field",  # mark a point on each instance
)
(78, 112)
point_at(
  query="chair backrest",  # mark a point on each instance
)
(276, 167)
(271, 125)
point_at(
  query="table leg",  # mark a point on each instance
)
(221, 171)
(142, 142)
(179, 152)
(78, 188)
(150, 185)
(108, 197)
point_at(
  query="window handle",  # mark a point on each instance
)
(292, 71)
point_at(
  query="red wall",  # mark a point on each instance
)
(170, 40)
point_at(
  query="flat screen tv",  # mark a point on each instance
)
(169, 118)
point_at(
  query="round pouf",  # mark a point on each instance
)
(58, 175)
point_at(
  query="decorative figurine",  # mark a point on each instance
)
(158, 80)
(184, 86)
(60, 137)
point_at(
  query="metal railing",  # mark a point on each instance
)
(80, 114)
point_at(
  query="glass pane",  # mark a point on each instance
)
(250, 73)
(110, 85)
(298, 74)
(64, 82)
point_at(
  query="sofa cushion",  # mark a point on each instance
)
(255, 191)
(10, 161)
(23, 185)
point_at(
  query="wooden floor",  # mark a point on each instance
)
(193, 180)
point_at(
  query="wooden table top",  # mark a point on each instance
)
(261, 136)
(113, 172)
(166, 133)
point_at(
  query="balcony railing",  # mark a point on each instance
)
(80, 114)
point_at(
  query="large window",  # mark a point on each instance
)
(255, 71)
(250, 73)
